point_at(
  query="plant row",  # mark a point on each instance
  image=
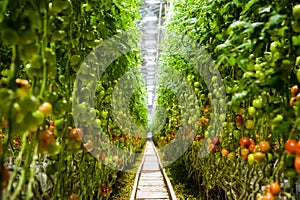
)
(60, 137)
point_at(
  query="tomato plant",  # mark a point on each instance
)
(255, 46)
(43, 46)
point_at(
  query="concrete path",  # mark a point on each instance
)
(151, 183)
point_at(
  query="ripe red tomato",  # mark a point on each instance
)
(212, 148)
(251, 147)
(74, 197)
(297, 97)
(110, 190)
(245, 142)
(76, 134)
(239, 120)
(264, 146)
(216, 140)
(275, 188)
(51, 128)
(224, 152)
(46, 137)
(298, 148)
(5, 176)
(206, 121)
(17, 142)
(268, 196)
(103, 187)
(297, 164)
(290, 146)
(252, 141)
(51, 123)
(292, 101)
(294, 90)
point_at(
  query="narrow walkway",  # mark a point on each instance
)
(152, 183)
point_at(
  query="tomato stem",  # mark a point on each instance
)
(44, 46)
(17, 163)
(29, 192)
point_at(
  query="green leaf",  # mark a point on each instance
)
(275, 19)
(232, 61)
(283, 127)
(265, 9)
(296, 40)
(248, 6)
(246, 45)
(239, 24)
(236, 100)
(243, 63)
(224, 45)
(3, 6)
(257, 24)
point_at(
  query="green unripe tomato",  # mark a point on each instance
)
(257, 103)
(291, 173)
(252, 111)
(296, 11)
(286, 63)
(231, 156)
(251, 159)
(249, 124)
(278, 119)
(275, 46)
(296, 26)
(297, 63)
(104, 114)
(248, 74)
(298, 75)
(269, 157)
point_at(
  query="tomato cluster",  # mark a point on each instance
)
(255, 46)
(272, 190)
(43, 46)
(250, 151)
(293, 148)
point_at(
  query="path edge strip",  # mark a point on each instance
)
(166, 178)
(137, 177)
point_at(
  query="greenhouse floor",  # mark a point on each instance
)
(151, 181)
